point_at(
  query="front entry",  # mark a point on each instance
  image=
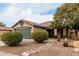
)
(50, 32)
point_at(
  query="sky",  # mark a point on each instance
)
(10, 13)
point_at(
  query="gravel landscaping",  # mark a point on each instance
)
(26, 45)
(52, 48)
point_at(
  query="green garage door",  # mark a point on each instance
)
(25, 31)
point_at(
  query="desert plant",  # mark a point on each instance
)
(40, 35)
(65, 44)
(11, 38)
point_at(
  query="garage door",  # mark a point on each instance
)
(25, 31)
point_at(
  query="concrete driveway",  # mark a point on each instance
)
(1, 43)
(4, 53)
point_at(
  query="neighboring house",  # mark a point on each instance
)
(27, 27)
(4, 30)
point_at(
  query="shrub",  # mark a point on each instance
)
(40, 35)
(11, 38)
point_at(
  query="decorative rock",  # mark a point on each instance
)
(76, 44)
(31, 52)
(76, 49)
(25, 54)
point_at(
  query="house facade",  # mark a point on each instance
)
(27, 27)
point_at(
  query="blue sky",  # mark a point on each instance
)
(35, 12)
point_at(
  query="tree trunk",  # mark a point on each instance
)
(55, 33)
(69, 36)
(64, 32)
(73, 34)
(76, 31)
(58, 35)
(77, 35)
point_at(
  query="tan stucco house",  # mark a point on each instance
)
(27, 27)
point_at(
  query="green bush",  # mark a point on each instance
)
(11, 38)
(40, 35)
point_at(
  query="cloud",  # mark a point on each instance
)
(53, 9)
(36, 7)
(12, 14)
(33, 12)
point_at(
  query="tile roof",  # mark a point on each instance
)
(45, 24)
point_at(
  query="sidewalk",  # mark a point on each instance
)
(6, 54)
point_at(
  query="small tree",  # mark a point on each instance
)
(69, 11)
(76, 27)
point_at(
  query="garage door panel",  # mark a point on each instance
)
(26, 32)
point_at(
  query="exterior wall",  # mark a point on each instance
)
(28, 25)
(18, 25)
(25, 25)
